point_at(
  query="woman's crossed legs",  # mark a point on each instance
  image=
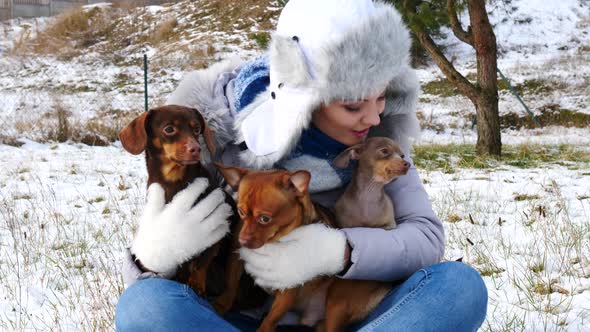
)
(448, 296)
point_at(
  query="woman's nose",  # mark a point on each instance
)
(372, 115)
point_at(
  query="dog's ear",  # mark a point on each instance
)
(207, 134)
(353, 152)
(300, 180)
(232, 175)
(134, 135)
(209, 139)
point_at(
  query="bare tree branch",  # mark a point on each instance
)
(462, 83)
(442, 62)
(464, 36)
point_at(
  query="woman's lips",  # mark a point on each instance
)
(361, 133)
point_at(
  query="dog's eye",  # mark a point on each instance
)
(403, 156)
(169, 130)
(264, 219)
(385, 152)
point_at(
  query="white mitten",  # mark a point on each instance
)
(170, 234)
(303, 254)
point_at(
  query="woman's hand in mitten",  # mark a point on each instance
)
(171, 234)
(305, 253)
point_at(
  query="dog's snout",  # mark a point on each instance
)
(406, 164)
(246, 241)
(193, 148)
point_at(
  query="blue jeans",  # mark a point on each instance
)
(449, 296)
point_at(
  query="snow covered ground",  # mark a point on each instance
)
(67, 210)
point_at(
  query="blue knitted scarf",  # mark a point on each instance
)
(314, 151)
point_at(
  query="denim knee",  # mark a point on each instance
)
(138, 302)
(466, 286)
(150, 305)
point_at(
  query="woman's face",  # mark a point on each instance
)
(348, 122)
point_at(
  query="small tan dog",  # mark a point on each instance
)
(365, 202)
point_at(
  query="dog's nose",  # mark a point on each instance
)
(406, 165)
(245, 242)
(193, 148)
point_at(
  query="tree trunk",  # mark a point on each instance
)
(488, 125)
(488, 120)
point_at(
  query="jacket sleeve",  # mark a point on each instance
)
(131, 272)
(416, 242)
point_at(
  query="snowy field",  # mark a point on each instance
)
(68, 210)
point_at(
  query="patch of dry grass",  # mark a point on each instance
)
(125, 26)
(228, 16)
(104, 128)
(550, 115)
(451, 157)
(73, 31)
(59, 125)
(186, 57)
(164, 31)
(9, 140)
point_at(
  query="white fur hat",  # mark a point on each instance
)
(326, 50)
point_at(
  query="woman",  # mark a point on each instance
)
(336, 72)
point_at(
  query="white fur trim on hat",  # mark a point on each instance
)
(264, 130)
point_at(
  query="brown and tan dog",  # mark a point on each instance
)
(170, 137)
(273, 203)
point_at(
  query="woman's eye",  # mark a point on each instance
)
(197, 132)
(264, 219)
(382, 98)
(169, 130)
(352, 108)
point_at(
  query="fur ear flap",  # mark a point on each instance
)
(353, 152)
(232, 175)
(300, 180)
(288, 62)
(134, 135)
(207, 134)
